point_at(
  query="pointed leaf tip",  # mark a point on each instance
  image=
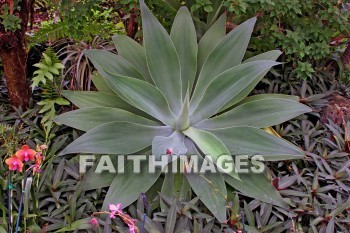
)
(162, 61)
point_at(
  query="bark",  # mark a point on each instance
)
(13, 52)
(14, 61)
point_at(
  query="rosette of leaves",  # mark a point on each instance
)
(176, 93)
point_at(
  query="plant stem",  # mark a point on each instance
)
(242, 214)
(143, 223)
(9, 203)
(21, 203)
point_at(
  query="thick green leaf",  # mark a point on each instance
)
(92, 180)
(86, 99)
(120, 68)
(183, 121)
(183, 35)
(144, 96)
(228, 106)
(212, 16)
(105, 61)
(2, 229)
(134, 53)
(101, 84)
(175, 185)
(249, 214)
(227, 54)
(256, 186)
(116, 138)
(201, 27)
(226, 86)
(160, 147)
(174, 4)
(271, 56)
(162, 59)
(86, 119)
(259, 113)
(209, 187)
(168, 188)
(246, 140)
(209, 144)
(81, 224)
(269, 96)
(127, 187)
(210, 39)
(171, 218)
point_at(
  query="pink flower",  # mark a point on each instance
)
(93, 222)
(43, 147)
(132, 228)
(14, 163)
(39, 158)
(115, 209)
(36, 168)
(25, 153)
(169, 151)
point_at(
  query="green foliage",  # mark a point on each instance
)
(172, 117)
(236, 6)
(10, 22)
(304, 69)
(79, 21)
(205, 4)
(302, 29)
(49, 68)
(49, 79)
(8, 140)
(18, 128)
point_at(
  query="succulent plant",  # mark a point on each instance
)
(176, 93)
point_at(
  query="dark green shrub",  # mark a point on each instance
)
(303, 29)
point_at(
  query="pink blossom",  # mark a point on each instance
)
(93, 222)
(26, 154)
(132, 228)
(115, 209)
(169, 151)
(14, 163)
(43, 147)
(36, 168)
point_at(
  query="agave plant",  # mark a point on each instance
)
(174, 92)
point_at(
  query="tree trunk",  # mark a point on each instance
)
(13, 52)
(14, 61)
